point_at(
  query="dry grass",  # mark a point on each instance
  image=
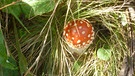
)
(45, 48)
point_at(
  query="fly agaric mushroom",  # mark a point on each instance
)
(78, 34)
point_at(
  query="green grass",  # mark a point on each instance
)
(46, 52)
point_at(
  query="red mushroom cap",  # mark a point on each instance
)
(79, 34)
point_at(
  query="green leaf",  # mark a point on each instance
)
(76, 65)
(104, 54)
(18, 9)
(2, 46)
(8, 72)
(28, 8)
(4, 59)
(15, 8)
(23, 65)
(41, 6)
(22, 33)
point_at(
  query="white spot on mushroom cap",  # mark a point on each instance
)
(66, 34)
(83, 32)
(73, 38)
(88, 35)
(81, 22)
(92, 28)
(70, 24)
(75, 24)
(91, 42)
(83, 43)
(80, 27)
(88, 25)
(92, 34)
(88, 41)
(68, 30)
(79, 45)
(78, 41)
(66, 26)
(76, 36)
(74, 31)
(92, 38)
(86, 20)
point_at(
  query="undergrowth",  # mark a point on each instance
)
(45, 49)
